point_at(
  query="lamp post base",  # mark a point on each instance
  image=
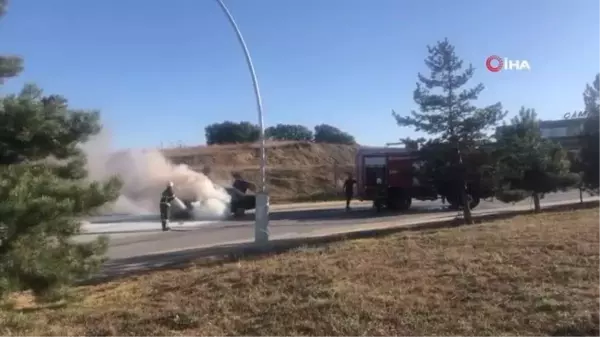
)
(261, 216)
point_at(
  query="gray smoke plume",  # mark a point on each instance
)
(145, 174)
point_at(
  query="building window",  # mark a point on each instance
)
(554, 132)
(375, 161)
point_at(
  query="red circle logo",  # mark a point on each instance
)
(494, 68)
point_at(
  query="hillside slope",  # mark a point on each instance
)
(296, 171)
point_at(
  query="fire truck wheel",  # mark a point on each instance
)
(400, 203)
(406, 204)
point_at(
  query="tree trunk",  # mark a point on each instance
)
(581, 195)
(536, 203)
(464, 200)
(466, 206)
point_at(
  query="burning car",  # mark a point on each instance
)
(239, 204)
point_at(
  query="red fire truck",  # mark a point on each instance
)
(387, 175)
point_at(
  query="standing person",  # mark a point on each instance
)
(349, 190)
(166, 198)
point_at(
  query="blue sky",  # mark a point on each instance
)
(160, 71)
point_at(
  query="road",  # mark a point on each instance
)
(286, 222)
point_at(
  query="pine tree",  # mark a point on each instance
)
(529, 165)
(43, 190)
(450, 116)
(590, 139)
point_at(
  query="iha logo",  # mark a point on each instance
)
(496, 63)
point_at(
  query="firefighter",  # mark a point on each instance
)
(380, 195)
(349, 190)
(166, 198)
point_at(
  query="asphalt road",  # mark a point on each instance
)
(285, 221)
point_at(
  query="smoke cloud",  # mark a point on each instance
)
(145, 174)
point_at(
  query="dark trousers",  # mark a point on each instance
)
(165, 214)
(348, 199)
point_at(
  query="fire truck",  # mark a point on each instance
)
(391, 177)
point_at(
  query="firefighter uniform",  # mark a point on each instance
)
(166, 198)
(380, 195)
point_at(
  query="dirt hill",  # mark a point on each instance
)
(296, 171)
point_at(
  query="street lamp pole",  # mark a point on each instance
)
(261, 224)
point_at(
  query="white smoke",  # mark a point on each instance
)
(145, 174)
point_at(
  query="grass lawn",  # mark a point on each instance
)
(529, 275)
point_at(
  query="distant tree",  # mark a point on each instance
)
(230, 133)
(590, 139)
(528, 164)
(325, 133)
(289, 132)
(450, 116)
(413, 144)
(44, 190)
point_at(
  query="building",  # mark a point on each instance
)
(566, 131)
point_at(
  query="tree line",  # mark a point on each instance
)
(229, 132)
(45, 191)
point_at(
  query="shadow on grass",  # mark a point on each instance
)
(120, 268)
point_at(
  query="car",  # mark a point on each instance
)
(240, 203)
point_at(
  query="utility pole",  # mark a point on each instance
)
(261, 223)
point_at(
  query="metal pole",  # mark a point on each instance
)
(261, 233)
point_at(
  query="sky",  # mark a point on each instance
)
(160, 71)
